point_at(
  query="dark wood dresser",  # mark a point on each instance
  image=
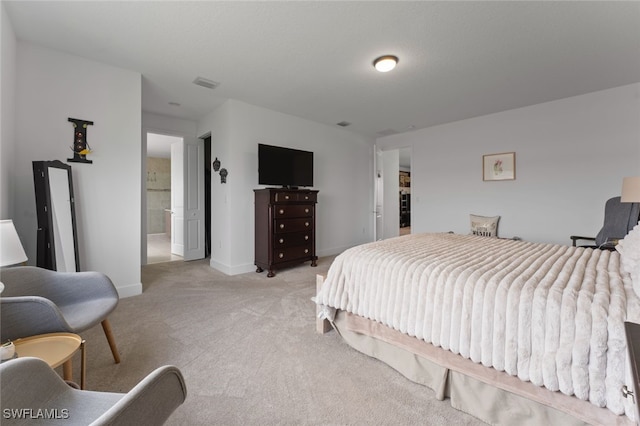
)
(285, 229)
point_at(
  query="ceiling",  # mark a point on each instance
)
(159, 146)
(314, 59)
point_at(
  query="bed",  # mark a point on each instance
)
(508, 331)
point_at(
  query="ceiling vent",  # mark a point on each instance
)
(344, 124)
(209, 84)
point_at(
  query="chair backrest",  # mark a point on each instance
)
(619, 219)
(29, 383)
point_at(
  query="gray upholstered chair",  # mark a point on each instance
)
(29, 386)
(619, 219)
(37, 301)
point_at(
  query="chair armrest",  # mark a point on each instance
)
(29, 315)
(575, 238)
(150, 402)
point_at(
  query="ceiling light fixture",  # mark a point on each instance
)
(385, 63)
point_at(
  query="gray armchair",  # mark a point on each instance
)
(29, 386)
(37, 301)
(619, 219)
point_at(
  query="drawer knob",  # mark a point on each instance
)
(306, 224)
(286, 197)
(281, 211)
(306, 210)
(281, 255)
(306, 251)
(306, 237)
(282, 226)
(281, 240)
(306, 197)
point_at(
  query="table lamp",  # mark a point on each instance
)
(631, 190)
(11, 251)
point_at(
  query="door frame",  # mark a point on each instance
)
(143, 179)
(380, 181)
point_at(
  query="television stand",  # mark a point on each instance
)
(285, 228)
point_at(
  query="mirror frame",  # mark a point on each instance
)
(46, 244)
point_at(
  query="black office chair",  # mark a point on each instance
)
(619, 219)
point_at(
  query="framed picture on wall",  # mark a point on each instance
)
(499, 166)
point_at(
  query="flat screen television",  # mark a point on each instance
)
(286, 167)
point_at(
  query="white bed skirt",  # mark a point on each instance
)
(490, 395)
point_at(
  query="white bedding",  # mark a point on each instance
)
(549, 314)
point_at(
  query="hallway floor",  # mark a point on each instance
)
(159, 249)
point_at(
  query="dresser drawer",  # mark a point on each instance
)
(284, 197)
(291, 253)
(289, 196)
(296, 210)
(292, 239)
(310, 197)
(292, 225)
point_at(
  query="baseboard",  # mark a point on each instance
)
(231, 270)
(250, 267)
(129, 290)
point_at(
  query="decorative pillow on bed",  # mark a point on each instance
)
(484, 226)
(629, 249)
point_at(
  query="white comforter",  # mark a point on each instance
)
(549, 314)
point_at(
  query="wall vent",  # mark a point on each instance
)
(209, 84)
(344, 124)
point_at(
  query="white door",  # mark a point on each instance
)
(378, 195)
(391, 197)
(177, 198)
(193, 199)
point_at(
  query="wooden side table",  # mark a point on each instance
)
(55, 349)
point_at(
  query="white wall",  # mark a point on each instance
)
(343, 170)
(7, 113)
(218, 124)
(51, 87)
(571, 156)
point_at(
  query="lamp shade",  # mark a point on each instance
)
(11, 251)
(631, 190)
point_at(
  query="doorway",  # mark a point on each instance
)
(392, 192)
(176, 197)
(404, 171)
(159, 196)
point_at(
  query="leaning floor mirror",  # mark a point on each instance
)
(57, 235)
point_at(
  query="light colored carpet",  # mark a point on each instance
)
(250, 356)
